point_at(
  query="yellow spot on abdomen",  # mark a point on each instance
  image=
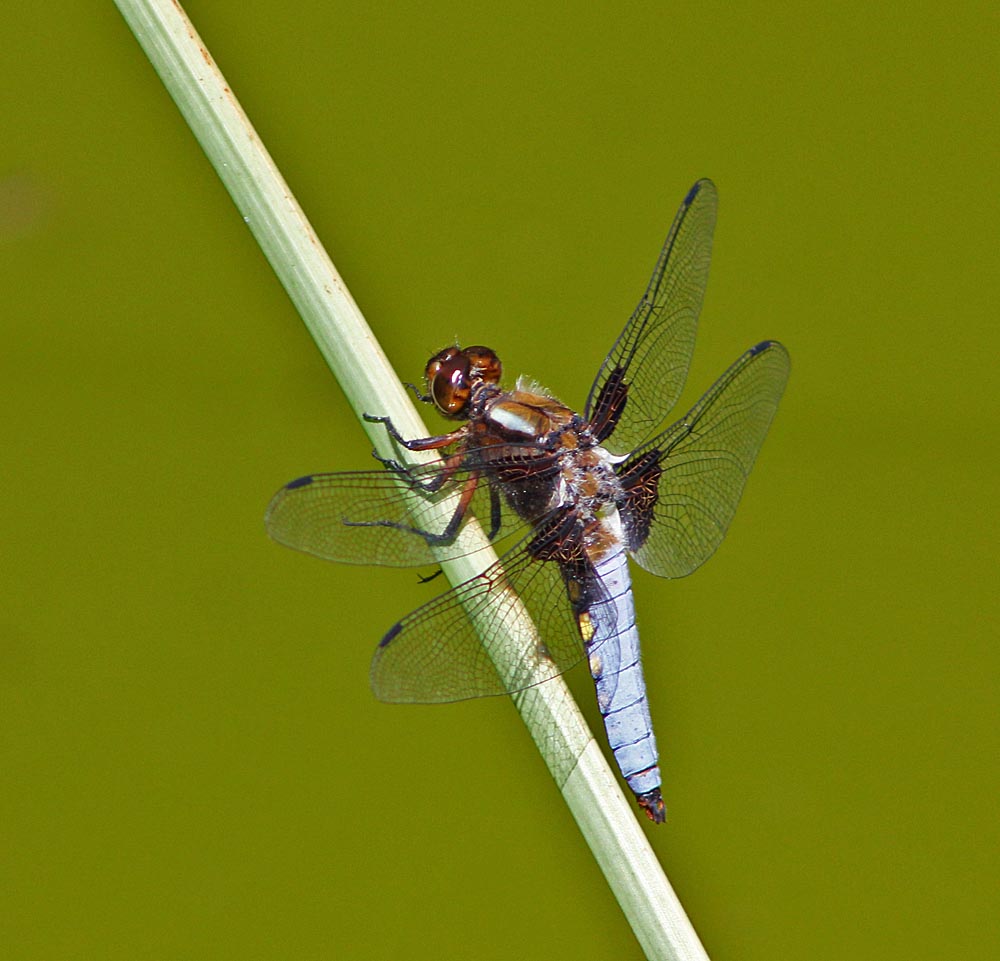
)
(596, 666)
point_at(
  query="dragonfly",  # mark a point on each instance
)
(568, 496)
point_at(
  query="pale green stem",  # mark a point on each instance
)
(592, 791)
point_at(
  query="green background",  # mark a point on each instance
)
(192, 763)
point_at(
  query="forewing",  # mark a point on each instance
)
(320, 514)
(652, 354)
(435, 653)
(706, 458)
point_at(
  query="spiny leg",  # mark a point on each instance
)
(433, 538)
(419, 443)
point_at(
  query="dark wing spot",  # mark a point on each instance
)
(300, 482)
(391, 636)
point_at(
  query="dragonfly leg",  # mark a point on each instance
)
(396, 467)
(423, 398)
(419, 443)
(387, 423)
(433, 483)
(496, 515)
(433, 538)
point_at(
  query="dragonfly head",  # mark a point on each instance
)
(454, 373)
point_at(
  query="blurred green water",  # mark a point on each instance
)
(193, 765)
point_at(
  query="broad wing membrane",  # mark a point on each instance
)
(705, 459)
(373, 517)
(643, 375)
(435, 653)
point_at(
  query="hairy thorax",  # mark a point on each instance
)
(546, 458)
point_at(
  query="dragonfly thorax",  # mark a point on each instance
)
(589, 485)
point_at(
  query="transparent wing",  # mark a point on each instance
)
(435, 653)
(706, 458)
(652, 354)
(319, 514)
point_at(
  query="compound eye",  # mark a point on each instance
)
(448, 381)
(484, 364)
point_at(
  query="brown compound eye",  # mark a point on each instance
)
(484, 364)
(447, 376)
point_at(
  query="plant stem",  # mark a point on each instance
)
(592, 791)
